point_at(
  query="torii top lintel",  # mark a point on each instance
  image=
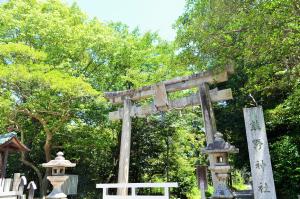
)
(176, 84)
(160, 90)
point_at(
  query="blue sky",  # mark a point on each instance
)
(154, 15)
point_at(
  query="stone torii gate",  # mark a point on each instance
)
(159, 92)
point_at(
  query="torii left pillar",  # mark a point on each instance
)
(124, 159)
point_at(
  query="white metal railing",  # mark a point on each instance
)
(134, 187)
(14, 188)
(7, 183)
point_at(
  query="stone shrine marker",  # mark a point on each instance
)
(261, 168)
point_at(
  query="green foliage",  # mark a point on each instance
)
(210, 191)
(5, 108)
(19, 53)
(55, 62)
(238, 181)
(261, 40)
(286, 160)
(167, 148)
(287, 112)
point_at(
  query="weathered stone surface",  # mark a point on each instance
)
(219, 145)
(125, 147)
(58, 177)
(192, 100)
(261, 168)
(57, 182)
(202, 179)
(218, 151)
(176, 84)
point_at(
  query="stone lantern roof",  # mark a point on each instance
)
(220, 146)
(59, 161)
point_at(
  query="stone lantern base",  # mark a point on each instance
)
(57, 182)
(222, 191)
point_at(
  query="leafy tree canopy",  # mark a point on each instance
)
(261, 40)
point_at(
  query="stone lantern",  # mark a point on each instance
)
(58, 166)
(220, 150)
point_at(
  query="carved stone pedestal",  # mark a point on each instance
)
(57, 182)
(222, 190)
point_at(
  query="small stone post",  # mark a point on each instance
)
(202, 179)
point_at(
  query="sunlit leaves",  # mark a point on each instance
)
(261, 38)
(16, 53)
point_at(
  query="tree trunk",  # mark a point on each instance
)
(47, 146)
(47, 150)
(37, 171)
(31, 165)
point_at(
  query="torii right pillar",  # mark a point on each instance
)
(209, 120)
(218, 157)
